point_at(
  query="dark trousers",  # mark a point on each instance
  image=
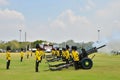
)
(63, 58)
(37, 65)
(8, 64)
(67, 61)
(76, 65)
(21, 59)
(58, 57)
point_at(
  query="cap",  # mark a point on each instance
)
(37, 46)
(8, 48)
(67, 47)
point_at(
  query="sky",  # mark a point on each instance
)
(59, 20)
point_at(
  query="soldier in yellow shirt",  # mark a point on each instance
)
(42, 53)
(75, 56)
(38, 55)
(67, 54)
(53, 53)
(21, 54)
(63, 54)
(8, 57)
(58, 53)
(31, 53)
(27, 52)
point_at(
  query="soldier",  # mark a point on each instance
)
(31, 53)
(63, 54)
(38, 55)
(84, 53)
(53, 53)
(58, 53)
(21, 54)
(42, 53)
(67, 54)
(27, 54)
(75, 56)
(8, 57)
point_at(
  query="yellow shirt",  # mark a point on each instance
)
(53, 52)
(67, 54)
(57, 53)
(42, 53)
(28, 52)
(21, 53)
(38, 55)
(75, 55)
(63, 53)
(8, 57)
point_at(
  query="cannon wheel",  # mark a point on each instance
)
(86, 63)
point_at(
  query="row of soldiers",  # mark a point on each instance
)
(28, 54)
(66, 54)
(38, 56)
(8, 55)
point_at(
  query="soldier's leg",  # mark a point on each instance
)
(67, 61)
(20, 59)
(76, 65)
(8, 64)
(27, 56)
(36, 65)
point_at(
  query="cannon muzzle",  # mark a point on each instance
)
(101, 46)
(94, 49)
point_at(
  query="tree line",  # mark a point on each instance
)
(16, 45)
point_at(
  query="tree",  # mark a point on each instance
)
(37, 42)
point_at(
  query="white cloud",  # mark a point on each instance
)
(66, 26)
(10, 21)
(70, 26)
(78, 27)
(11, 14)
(67, 18)
(57, 23)
(4, 2)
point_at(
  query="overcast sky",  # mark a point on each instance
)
(59, 20)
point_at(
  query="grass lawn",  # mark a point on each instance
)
(105, 67)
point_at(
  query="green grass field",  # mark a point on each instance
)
(105, 67)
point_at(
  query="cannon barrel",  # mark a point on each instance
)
(101, 46)
(94, 49)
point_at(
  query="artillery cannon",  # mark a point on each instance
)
(84, 63)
